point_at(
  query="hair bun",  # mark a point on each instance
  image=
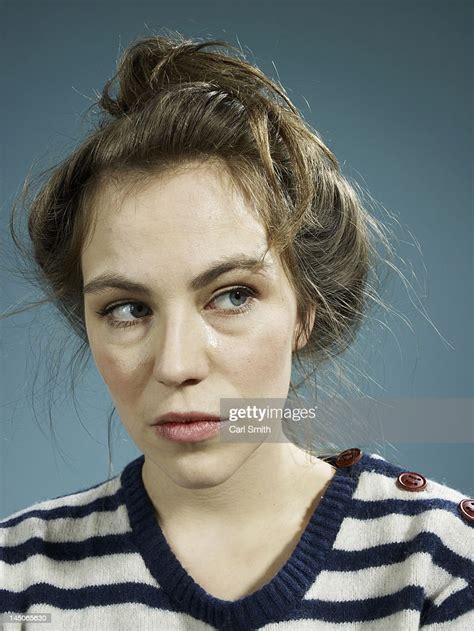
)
(155, 63)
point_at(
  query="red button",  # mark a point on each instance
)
(348, 457)
(411, 481)
(466, 508)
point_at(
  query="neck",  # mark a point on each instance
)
(276, 480)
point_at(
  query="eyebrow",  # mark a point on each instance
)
(109, 280)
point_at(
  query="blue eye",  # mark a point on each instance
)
(241, 292)
(106, 313)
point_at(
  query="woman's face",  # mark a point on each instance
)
(176, 347)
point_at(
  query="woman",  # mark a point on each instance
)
(200, 241)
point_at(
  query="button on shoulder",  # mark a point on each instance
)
(411, 481)
(348, 457)
(466, 508)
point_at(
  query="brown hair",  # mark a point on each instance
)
(179, 102)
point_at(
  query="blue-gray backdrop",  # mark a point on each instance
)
(388, 84)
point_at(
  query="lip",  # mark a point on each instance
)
(186, 417)
(189, 432)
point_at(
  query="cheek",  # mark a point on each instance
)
(265, 356)
(119, 370)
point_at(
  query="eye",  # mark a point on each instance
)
(113, 321)
(241, 293)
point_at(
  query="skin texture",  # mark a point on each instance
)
(185, 353)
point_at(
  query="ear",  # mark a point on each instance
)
(305, 336)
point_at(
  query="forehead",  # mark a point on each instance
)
(183, 217)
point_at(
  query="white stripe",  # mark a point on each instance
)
(82, 498)
(374, 486)
(417, 570)
(463, 623)
(104, 570)
(401, 621)
(122, 617)
(139, 616)
(378, 457)
(359, 534)
(64, 529)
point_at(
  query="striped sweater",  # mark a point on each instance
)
(372, 556)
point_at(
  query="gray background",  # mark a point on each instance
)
(389, 87)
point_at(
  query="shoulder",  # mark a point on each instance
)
(413, 497)
(380, 480)
(405, 509)
(417, 530)
(57, 519)
(415, 517)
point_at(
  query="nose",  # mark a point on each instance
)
(180, 351)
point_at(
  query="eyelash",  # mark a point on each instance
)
(105, 313)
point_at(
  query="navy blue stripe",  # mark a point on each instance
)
(361, 509)
(388, 553)
(92, 596)
(101, 504)
(410, 597)
(70, 550)
(456, 605)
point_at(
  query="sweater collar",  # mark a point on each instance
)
(273, 600)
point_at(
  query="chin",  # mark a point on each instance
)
(201, 473)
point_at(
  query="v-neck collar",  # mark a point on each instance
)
(273, 600)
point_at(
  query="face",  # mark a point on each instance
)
(173, 347)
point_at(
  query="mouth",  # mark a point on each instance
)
(187, 417)
(190, 430)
